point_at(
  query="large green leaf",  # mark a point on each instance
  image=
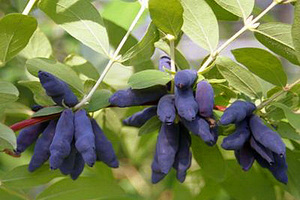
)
(277, 37)
(83, 188)
(20, 177)
(81, 20)
(293, 118)
(81, 65)
(15, 32)
(220, 12)
(209, 159)
(60, 70)
(167, 15)
(238, 77)
(39, 94)
(263, 64)
(200, 24)
(8, 92)
(38, 47)
(7, 138)
(143, 50)
(296, 29)
(241, 8)
(287, 131)
(148, 78)
(99, 100)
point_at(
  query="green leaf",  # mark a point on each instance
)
(277, 37)
(7, 138)
(48, 111)
(238, 77)
(293, 161)
(167, 18)
(99, 100)
(209, 159)
(200, 24)
(148, 78)
(287, 131)
(83, 188)
(220, 12)
(293, 118)
(60, 70)
(296, 29)
(39, 94)
(150, 126)
(38, 47)
(8, 92)
(15, 32)
(4, 194)
(81, 20)
(263, 64)
(20, 177)
(241, 8)
(81, 65)
(180, 60)
(143, 50)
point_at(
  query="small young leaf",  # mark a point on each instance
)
(148, 78)
(200, 24)
(39, 94)
(241, 8)
(293, 118)
(8, 92)
(38, 47)
(167, 18)
(48, 111)
(7, 138)
(277, 37)
(209, 159)
(81, 65)
(150, 126)
(15, 32)
(72, 14)
(263, 64)
(99, 100)
(238, 77)
(60, 70)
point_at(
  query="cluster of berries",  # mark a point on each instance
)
(195, 114)
(68, 142)
(253, 140)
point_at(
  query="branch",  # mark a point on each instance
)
(249, 24)
(113, 59)
(28, 7)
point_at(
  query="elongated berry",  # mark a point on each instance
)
(262, 151)
(265, 136)
(140, 118)
(41, 150)
(164, 62)
(185, 79)
(167, 146)
(185, 104)
(60, 147)
(84, 137)
(67, 165)
(183, 156)
(157, 175)
(245, 157)
(205, 98)
(104, 148)
(78, 166)
(57, 89)
(200, 128)
(237, 112)
(237, 140)
(130, 97)
(29, 135)
(166, 109)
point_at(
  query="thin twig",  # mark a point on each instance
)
(28, 7)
